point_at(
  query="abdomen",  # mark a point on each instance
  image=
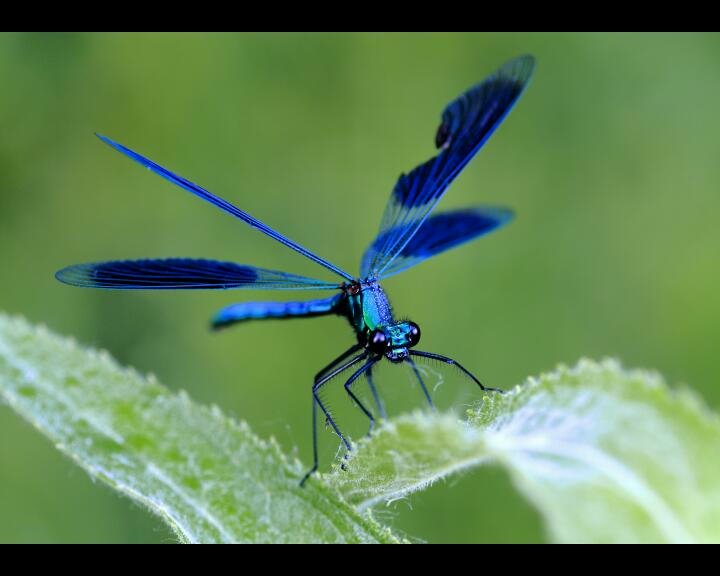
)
(259, 310)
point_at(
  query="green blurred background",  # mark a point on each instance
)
(610, 160)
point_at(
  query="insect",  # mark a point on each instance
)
(408, 235)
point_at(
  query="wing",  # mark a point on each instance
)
(466, 124)
(183, 274)
(440, 233)
(224, 205)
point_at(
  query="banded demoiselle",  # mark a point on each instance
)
(408, 235)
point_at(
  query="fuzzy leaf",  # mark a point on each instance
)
(606, 455)
(209, 477)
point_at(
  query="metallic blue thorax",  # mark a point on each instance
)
(369, 309)
(376, 309)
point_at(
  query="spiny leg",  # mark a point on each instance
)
(454, 363)
(422, 383)
(376, 396)
(319, 383)
(315, 444)
(349, 352)
(348, 384)
(328, 417)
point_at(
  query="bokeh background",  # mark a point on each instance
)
(610, 161)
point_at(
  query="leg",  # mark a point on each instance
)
(317, 402)
(366, 367)
(453, 363)
(376, 396)
(422, 383)
(315, 448)
(349, 352)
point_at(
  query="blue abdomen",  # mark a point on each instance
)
(260, 310)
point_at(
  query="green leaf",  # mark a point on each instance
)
(208, 476)
(606, 455)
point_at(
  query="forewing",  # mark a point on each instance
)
(223, 205)
(466, 124)
(442, 232)
(183, 274)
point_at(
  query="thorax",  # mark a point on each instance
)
(368, 307)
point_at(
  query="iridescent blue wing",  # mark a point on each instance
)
(243, 311)
(224, 205)
(466, 124)
(442, 232)
(183, 274)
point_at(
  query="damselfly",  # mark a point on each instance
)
(408, 235)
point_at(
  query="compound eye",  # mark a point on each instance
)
(414, 334)
(378, 342)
